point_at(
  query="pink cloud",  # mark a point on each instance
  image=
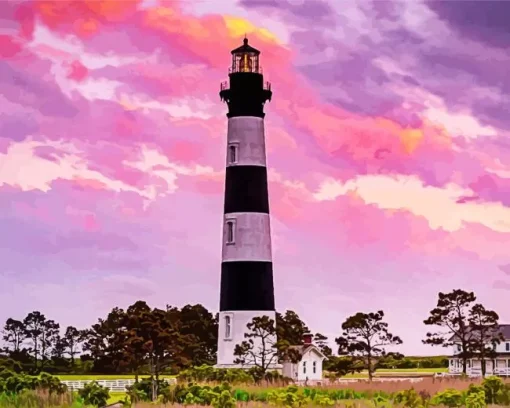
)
(77, 71)
(125, 180)
(9, 47)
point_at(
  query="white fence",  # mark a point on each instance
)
(112, 385)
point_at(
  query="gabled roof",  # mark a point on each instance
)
(303, 349)
(504, 329)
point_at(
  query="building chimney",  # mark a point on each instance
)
(307, 339)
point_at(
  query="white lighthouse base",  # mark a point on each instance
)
(229, 337)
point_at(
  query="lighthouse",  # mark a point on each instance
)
(247, 289)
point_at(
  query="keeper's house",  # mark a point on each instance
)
(497, 366)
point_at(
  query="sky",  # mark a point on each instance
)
(388, 154)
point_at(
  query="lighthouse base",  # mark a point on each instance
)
(231, 330)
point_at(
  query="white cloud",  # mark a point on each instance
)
(182, 108)
(438, 205)
(458, 124)
(154, 163)
(21, 167)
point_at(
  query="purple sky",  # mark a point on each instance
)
(388, 147)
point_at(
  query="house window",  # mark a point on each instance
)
(459, 348)
(232, 153)
(468, 364)
(304, 367)
(231, 236)
(228, 326)
(507, 346)
(314, 367)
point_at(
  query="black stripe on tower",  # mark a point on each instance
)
(247, 286)
(246, 189)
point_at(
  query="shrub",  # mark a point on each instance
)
(449, 397)
(493, 386)
(142, 390)
(207, 373)
(16, 383)
(94, 394)
(409, 398)
(476, 399)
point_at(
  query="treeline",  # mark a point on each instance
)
(137, 340)
(366, 337)
(145, 340)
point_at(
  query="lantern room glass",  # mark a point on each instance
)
(245, 59)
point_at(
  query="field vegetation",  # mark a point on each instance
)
(46, 391)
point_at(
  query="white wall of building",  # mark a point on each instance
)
(228, 339)
(309, 368)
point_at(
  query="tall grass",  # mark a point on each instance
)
(40, 399)
(430, 385)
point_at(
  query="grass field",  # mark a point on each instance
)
(116, 397)
(362, 374)
(85, 377)
(385, 372)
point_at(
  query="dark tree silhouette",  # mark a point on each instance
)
(260, 347)
(322, 343)
(14, 335)
(72, 340)
(484, 334)
(262, 350)
(364, 338)
(290, 328)
(198, 322)
(451, 315)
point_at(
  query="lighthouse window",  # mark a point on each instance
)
(232, 154)
(228, 326)
(304, 367)
(231, 232)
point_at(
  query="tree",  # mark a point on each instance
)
(135, 342)
(322, 342)
(165, 343)
(71, 341)
(105, 341)
(197, 321)
(14, 334)
(33, 324)
(338, 366)
(484, 333)
(290, 328)
(452, 314)
(49, 337)
(59, 348)
(364, 337)
(260, 349)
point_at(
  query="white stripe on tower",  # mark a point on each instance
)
(252, 237)
(246, 141)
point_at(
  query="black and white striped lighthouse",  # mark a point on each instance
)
(247, 287)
